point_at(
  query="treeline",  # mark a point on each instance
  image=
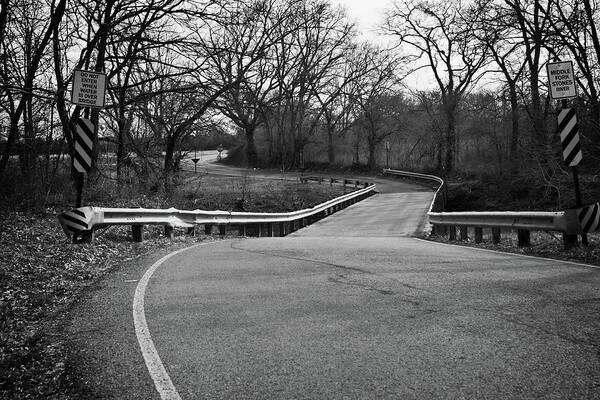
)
(295, 83)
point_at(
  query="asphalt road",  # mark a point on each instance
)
(352, 307)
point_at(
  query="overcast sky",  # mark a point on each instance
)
(366, 13)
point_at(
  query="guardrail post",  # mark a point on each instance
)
(222, 230)
(464, 232)
(271, 230)
(496, 235)
(569, 241)
(242, 229)
(137, 232)
(452, 234)
(207, 229)
(478, 234)
(191, 231)
(169, 232)
(524, 237)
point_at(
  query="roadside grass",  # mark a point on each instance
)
(42, 274)
(543, 244)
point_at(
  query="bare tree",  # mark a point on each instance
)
(239, 58)
(377, 96)
(440, 34)
(532, 20)
(496, 31)
(21, 92)
(305, 62)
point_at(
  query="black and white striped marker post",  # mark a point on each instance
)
(562, 85)
(569, 136)
(571, 150)
(82, 158)
(589, 218)
(84, 144)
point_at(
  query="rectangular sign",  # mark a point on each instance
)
(561, 80)
(88, 88)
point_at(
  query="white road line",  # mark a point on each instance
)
(578, 264)
(156, 369)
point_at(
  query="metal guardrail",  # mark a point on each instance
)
(82, 222)
(343, 181)
(444, 223)
(441, 194)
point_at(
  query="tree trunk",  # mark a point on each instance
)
(120, 149)
(27, 150)
(169, 165)
(99, 67)
(250, 147)
(372, 162)
(330, 147)
(450, 141)
(55, 19)
(439, 158)
(514, 133)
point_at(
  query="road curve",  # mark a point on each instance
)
(355, 307)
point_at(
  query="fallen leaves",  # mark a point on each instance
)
(41, 275)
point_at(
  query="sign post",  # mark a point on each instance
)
(87, 91)
(195, 160)
(561, 81)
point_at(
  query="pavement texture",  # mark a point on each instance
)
(367, 318)
(352, 307)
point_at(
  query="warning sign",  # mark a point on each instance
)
(561, 80)
(88, 88)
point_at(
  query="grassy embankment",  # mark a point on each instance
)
(42, 273)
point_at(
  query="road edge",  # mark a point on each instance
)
(575, 263)
(162, 381)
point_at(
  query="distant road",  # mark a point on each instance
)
(352, 307)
